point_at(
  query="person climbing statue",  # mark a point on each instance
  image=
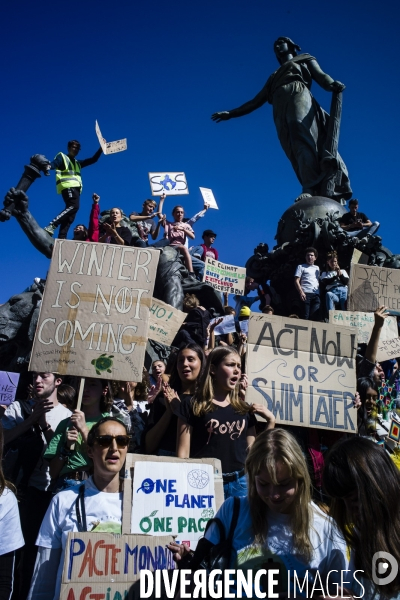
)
(69, 185)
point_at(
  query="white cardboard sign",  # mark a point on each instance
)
(172, 498)
(110, 147)
(364, 322)
(164, 322)
(388, 349)
(223, 277)
(303, 371)
(170, 183)
(208, 197)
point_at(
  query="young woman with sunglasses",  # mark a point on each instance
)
(278, 523)
(364, 485)
(160, 434)
(69, 466)
(101, 497)
(218, 423)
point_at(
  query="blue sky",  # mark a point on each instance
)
(154, 72)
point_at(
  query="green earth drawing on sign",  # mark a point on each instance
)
(102, 363)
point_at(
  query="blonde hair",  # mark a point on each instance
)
(190, 301)
(270, 447)
(203, 398)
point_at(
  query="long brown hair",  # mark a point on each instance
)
(3, 482)
(359, 466)
(272, 446)
(203, 398)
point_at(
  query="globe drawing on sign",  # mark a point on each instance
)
(198, 479)
(167, 180)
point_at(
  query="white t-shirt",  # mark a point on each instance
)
(13, 416)
(309, 278)
(329, 548)
(10, 527)
(103, 513)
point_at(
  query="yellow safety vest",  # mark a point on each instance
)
(70, 176)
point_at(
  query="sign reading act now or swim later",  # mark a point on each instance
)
(223, 277)
(303, 371)
(94, 316)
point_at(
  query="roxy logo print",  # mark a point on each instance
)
(233, 429)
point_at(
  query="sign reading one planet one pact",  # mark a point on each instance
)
(303, 371)
(172, 498)
(94, 315)
(364, 322)
(223, 277)
(371, 287)
(169, 183)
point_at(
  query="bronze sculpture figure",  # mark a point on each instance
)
(302, 125)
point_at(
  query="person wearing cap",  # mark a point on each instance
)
(202, 251)
(69, 185)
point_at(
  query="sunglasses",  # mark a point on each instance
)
(105, 441)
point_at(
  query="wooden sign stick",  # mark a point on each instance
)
(79, 403)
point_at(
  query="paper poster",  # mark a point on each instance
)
(227, 325)
(303, 371)
(371, 287)
(169, 183)
(172, 498)
(164, 322)
(244, 326)
(8, 387)
(364, 322)
(387, 349)
(223, 277)
(110, 147)
(96, 563)
(95, 310)
(208, 197)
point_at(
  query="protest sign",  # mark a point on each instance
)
(226, 326)
(208, 197)
(168, 183)
(364, 323)
(244, 326)
(177, 499)
(110, 147)
(387, 349)
(100, 565)
(164, 322)
(94, 315)
(303, 371)
(8, 387)
(223, 277)
(371, 287)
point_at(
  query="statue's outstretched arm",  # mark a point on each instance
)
(323, 79)
(245, 109)
(36, 235)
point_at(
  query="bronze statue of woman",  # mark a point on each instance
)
(300, 121)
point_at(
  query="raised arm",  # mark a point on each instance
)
(245, 109)
(38, 237)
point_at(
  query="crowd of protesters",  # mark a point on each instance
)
(322, 503)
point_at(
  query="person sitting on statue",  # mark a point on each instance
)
(357, 224)
(199, 253)
(69, 185)
(301, 124)
(306, 280)
(81, 234)
(177, 232)
(112, 232)
(334, 280)
(145, 223)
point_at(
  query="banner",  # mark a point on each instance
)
(94, 315)
(364, 322)
(303, 371)
(8, 387)
(208, 197)
(223, 277)
(168, 183)
(110, 147)
(164, 322)
(387, 349)
(100, 563)
(177, 499)
(226, 326)
(371, 287)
